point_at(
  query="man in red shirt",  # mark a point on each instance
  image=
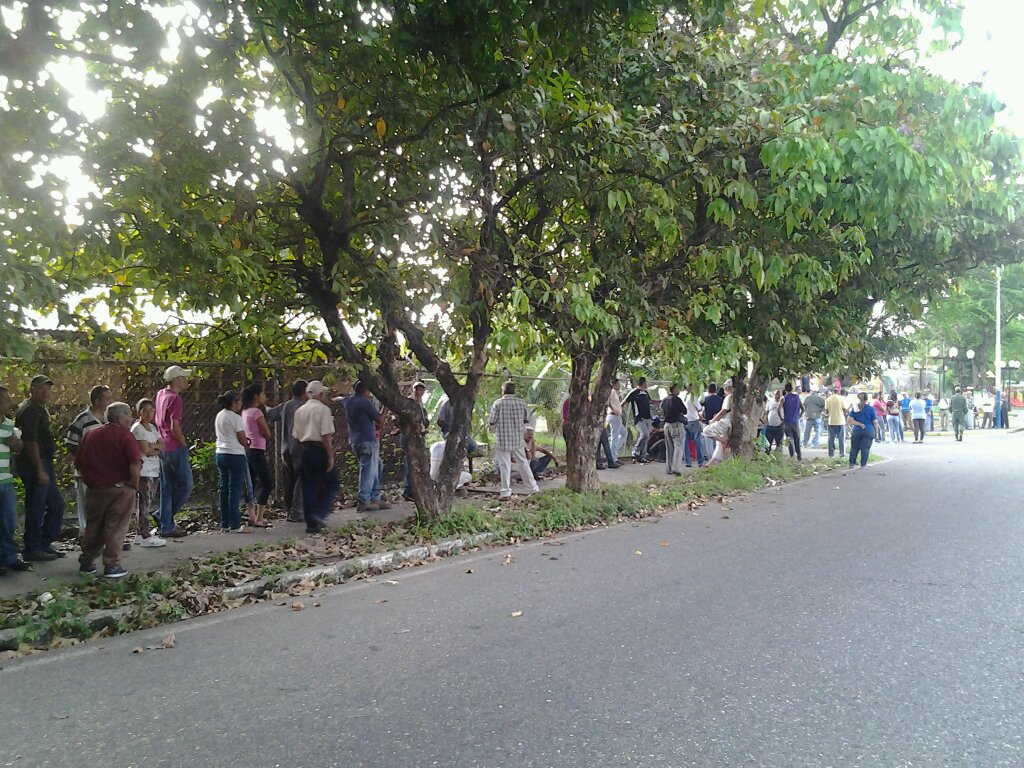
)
(109, 461)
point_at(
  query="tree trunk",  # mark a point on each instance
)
(586, 412)
(745, 412)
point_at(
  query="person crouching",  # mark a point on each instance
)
(109, 461)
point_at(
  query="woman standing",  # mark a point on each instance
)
(861, 421)
(150, 446)
(892, 411)
(719, 428)
(231, 463)
(254, 400)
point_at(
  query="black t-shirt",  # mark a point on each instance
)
(673, 410)
(641, 406)
(34, 423)
(712, 405)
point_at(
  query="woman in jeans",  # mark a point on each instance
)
(893, 416)
(254, 400)
(231, 462)
(861, 421)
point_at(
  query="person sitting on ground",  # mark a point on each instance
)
(150, 445)
(437, 456)
(656, 448)
(538, 463)
(109, 461)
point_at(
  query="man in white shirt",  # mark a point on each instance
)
(313, 434)
(615, 425)
(694, 431)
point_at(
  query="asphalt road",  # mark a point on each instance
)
(872, 618)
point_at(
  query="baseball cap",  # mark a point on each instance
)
(419, 384)
(176, 371)
(41, 379)
(315, 388)
(728, 383)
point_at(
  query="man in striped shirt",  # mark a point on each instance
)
(93, 416)
(9, 443)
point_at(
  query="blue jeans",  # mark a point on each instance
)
(695, 432)
(370, 467)
(44, 511)
(808, 423)
(8, 524)
(231, 471)
(860, 441)
(618, 433)
(319, 486)
(175, 485)
(895, 429)
(835, 434)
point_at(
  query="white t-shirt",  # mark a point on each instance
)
(150, 464)
(918, 408)
(773, 409)
(227, 425)
(436, 457)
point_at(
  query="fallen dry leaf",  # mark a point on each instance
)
(59, 716)
(298, 605)
(138, 649)
(638, 552)
(391, 583)
(470, 570)
(378, 602)
(664, 543)
(316, 605)
(509, 559)
(516, 614)
(403, 631)
(725, 517)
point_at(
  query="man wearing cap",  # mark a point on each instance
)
(44, 505)
(285, 413)
(364, 421)
(418, 390)
(92, 417)
(313, 435)
(175, 470)
(110, 463)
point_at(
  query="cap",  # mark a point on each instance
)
(315, 388)
(419, 384)
(176, 371)
(728, 383)
(41, 379)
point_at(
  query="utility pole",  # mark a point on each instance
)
(998, 365)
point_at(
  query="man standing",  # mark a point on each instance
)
(641, 402)
(791, 410)
(908, 424)
(9, 443)
(109, 461)
(615, 425)
(943, 413)
(836, 414)
(673, 413)
(418, 390)
(958, 410)
(175, 470)
(313, 443)
(364, 421)
(814, 405)
(970, 408)
(712, 404)
(693, 427)
(285, 413)
(986, 410)
(92, 417)
(44, 505)
(509, 418)
(918, 413)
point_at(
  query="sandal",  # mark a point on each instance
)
(263, 524)
(239, 530)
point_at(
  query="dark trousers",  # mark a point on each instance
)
(292, 482)
(44, 511)
(259, 469)
(835, 435)
(539, 464)
(606, 446)
(774, 437)
(860, 442)
(792, 431)
(108, 511)
(319, 486)
(919, 430)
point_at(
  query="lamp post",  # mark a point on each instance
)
(954, 354)
(970, 362)
(934, 352)
(920, 376)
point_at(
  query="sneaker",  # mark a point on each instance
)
(176, 533)
(125, 547)
(21, 566)
(40, 556)
(360, 507)
(54, 552)
(616, 465)
(87, 570)
(408, 497)
(296, 519)
(113, 572)
(153, 541)
(380, 505)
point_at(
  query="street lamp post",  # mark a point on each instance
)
(934, 352)
(954, 354)
(920, 376)
(970, 362)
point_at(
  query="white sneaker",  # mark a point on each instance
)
(153, 541)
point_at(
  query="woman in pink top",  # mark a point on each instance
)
(879, 407)
(254, 399)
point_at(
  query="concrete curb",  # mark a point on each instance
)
(332, 573)
(343, 569)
